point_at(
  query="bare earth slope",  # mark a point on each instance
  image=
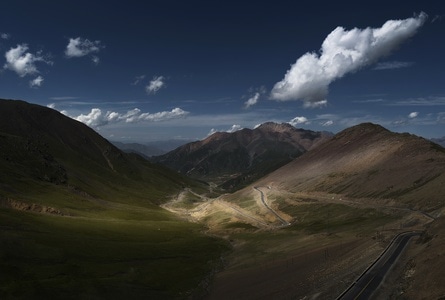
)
(368, 161)
(345, 199)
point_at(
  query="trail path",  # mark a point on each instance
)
(263, 200)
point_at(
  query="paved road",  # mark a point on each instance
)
(369, 281)
(263, 200)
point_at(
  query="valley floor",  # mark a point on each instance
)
(330, 242)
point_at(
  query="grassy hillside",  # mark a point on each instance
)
(80, 219)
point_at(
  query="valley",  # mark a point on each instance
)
(330, 241)
(81, 219)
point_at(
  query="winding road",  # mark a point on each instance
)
(364, 286)
(263, 200)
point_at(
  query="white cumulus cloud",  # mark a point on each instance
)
(155, 85)
(299, 120)
(79, 47)
(343, 51)
(22, 62)
(96, 117)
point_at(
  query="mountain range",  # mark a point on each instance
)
(236, 159)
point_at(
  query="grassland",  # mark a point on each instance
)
(118, 253)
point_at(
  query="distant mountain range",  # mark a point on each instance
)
(440, 141)
(149, 149)
(233, 160)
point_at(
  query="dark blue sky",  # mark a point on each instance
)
(153, 70)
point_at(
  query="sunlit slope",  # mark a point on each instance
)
(368, 161)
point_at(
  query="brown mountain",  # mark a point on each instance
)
(368, 161)
(235, 159)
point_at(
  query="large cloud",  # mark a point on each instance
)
(97, 118)
(343, 51)
(22, 62)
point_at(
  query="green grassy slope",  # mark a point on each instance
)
(80, 219)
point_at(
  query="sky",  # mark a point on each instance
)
(141, 71)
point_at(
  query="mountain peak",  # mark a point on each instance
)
(278, 127)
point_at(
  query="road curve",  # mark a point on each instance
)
(364, 286)
(283, 221)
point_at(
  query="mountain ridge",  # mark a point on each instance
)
(369, 161)
(234, 159)
(46, 145)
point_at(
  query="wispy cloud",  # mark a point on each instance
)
(327, 123)
(421, 101)
(155, 85)
(342, 52)
(378, 100)
(79, 47)
(36, 82)
(5, 36)
(63, 98)
(96, 117)
(138, 79)
(388, 65)
(23, 62)
(254, 96)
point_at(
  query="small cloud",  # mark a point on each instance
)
(413, 115)
(327, 123)
(80, 47)
(51, 105)
(212, 131)
(315, 104)
(22, 62)
(95, 59)
(388, 65)
(5, 36)
(342, 52)
(253, 99)
(437, 18)
(155, 85)
(232, 129)
(138, 79)
(299, 120)
(36, 82)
